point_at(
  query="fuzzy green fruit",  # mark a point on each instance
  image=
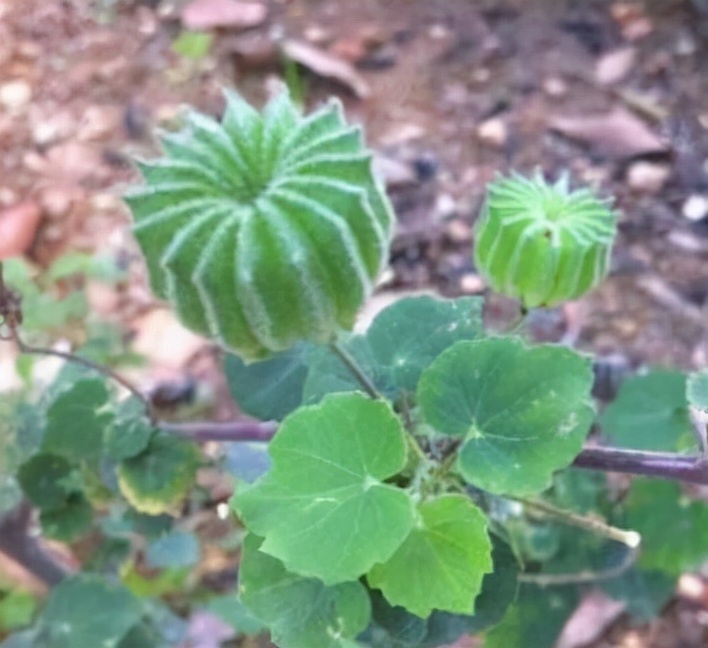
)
(542, 243)
(263, 229)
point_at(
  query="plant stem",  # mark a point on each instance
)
(598, 527)
(587, 576)
(353, 366)
(667, 465)
(89, 364)
(25, 550)
(229, 431)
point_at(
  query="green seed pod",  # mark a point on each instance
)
(542, 243)
(263, 229)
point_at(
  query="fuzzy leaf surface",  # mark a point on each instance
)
(300, 612)
(522, 413)
(324, 508)
(451, 552)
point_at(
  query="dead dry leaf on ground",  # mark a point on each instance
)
(18, 227)
(590, 620)
(616, 134)
(326, 65)
(614, 66)
(212, 14)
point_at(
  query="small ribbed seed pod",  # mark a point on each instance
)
(542, 243)
(263, 229)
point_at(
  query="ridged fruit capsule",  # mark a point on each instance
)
(543, 243)
(263, 229)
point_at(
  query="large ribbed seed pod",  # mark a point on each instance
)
(543, 243)
(263, 229)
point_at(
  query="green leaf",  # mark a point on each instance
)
(538, 616)
(649, 413)
(407, 336)
(499, 590)
(156, 480)
(86, 610)
(168, 581)
(401, 342)
(522, 413)
(75, 426)
(673, 528)
(177, 549)
(16, 610)
(697, 389)
(644, 593)
(395, 627)
(324, 508)
(48, 481)
(231, 610)
(451, 551)
(69, 522)
(271, 389)
(392, 626)
(300, 612)
(127, 438)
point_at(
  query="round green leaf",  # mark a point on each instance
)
(86, 610)
(522, 413)
(451, 552)
(649, 413)
(300, 612)
(48, 480)
(324, 508)
(156, 480)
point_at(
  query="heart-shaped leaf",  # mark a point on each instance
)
(522, 412)
(451, 552)
(324, 508)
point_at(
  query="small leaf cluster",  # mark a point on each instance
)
(362, 489)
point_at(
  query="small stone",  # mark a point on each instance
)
(555, 87)
(471, 283)
(458, 231)
(647, 177)
(56, 202)
(15, 94)
(445, 206)
(695, 208)
(493, 132)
